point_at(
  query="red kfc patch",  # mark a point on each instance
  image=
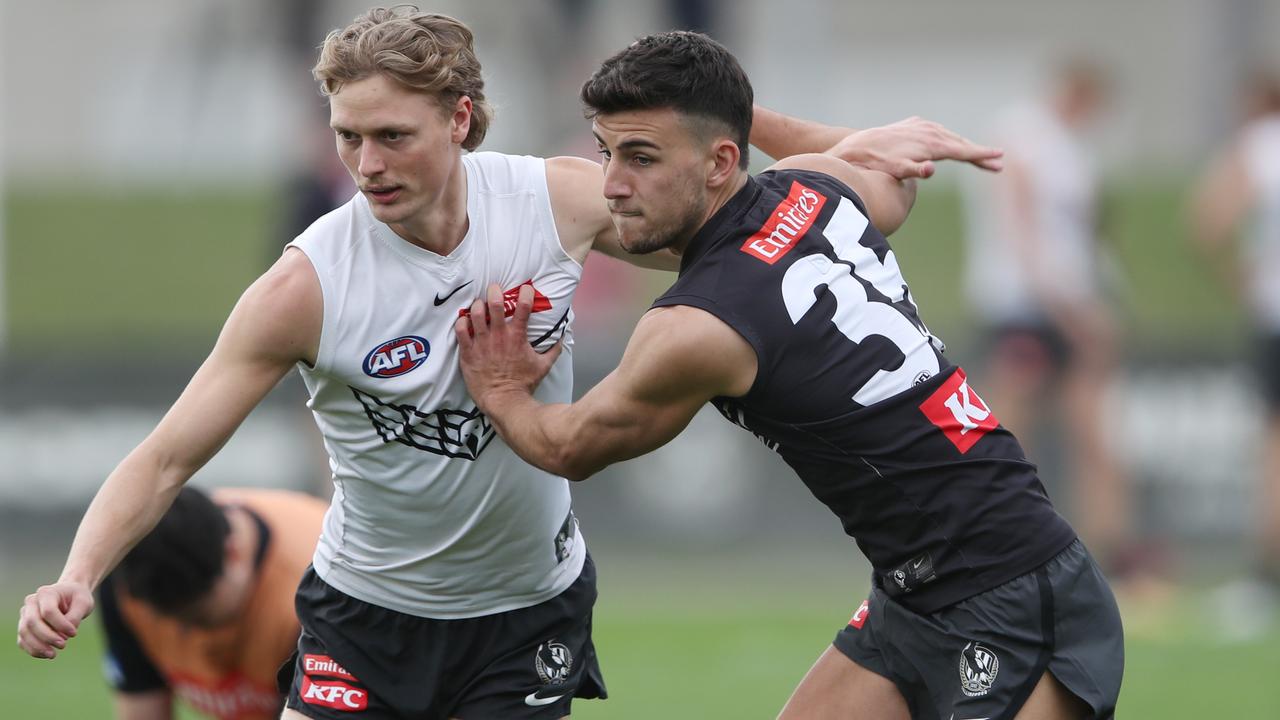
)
(860, 616)
(334, 695)
(959, 413)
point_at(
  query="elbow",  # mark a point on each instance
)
(571, 465)
(571, 461)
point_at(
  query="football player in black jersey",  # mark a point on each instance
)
(791, 316)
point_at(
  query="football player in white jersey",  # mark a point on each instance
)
(1242, 187)
(406, 100)
(1035, 277)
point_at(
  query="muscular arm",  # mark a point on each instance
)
(888, 200)
(905, 149)
(677, 359)
(275, 324)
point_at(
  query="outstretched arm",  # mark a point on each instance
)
(888, 199)
(905, 149)
(678, 359)
(275, 324)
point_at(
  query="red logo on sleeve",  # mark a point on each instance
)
(958, 411)
(787, 223)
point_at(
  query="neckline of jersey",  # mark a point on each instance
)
(421, 256)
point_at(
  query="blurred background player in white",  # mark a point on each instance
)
(202, 608)
(1036, 280)
(1239, 199)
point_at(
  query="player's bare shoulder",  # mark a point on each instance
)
(576, 188)
(684, 345)
(282, 312)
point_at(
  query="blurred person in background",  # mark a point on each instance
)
(450, 579)
(791, 316)
(1243, 184)
(202, 607)
(1036, 277)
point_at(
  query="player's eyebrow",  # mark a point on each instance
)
(402, 129)
(630, 144)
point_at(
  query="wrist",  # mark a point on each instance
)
(501, 397)
(84, 580)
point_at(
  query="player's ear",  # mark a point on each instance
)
(724, 162)
(460, 120)
(230, 553)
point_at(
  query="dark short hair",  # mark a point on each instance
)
(178, 562)
(685, 71)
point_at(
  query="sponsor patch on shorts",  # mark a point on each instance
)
(324, 665)
(860, 615)
(334, 694)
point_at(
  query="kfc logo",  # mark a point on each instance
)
(789, 221)
(860, 616)
(958, 411)
(334, 695)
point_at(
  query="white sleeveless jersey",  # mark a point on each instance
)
(1262, 253)
(1063, 183)
(432, 514)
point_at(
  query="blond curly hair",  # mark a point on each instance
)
(430, 53)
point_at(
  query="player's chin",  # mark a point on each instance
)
(638, 243)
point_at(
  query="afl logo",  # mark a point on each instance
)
(396, 357)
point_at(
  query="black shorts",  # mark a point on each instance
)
(357, 660)
(981, 657)
(1267, 364)
(1035, 344)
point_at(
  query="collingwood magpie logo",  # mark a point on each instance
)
(553, 662)
(978, 669)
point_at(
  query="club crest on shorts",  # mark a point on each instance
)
(978, 669)
(396, 357)
(553, 662)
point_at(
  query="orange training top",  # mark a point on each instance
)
(227, 672)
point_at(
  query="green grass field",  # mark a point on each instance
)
(716, 638)
(159, 271)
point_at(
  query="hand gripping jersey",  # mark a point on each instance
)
(432, 514)
(227, 672)
(855, 394)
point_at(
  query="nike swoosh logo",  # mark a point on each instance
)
(533, 700)
(442, 300)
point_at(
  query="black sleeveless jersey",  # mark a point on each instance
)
(854, 392)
